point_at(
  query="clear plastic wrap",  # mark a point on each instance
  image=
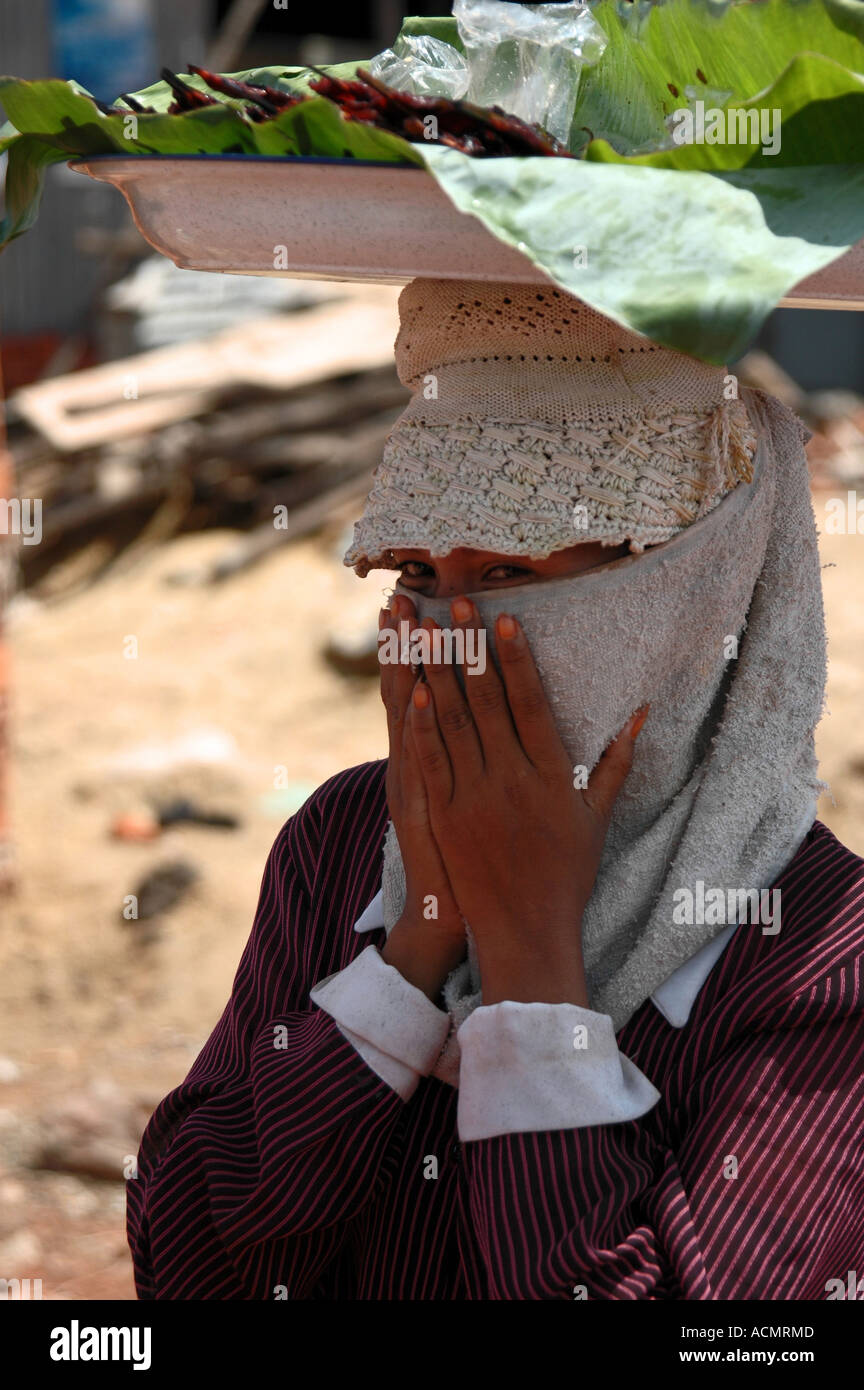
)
(527, 60)
(424, 66)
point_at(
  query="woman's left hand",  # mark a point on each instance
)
(521, 845)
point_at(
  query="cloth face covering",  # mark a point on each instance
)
(724, 780)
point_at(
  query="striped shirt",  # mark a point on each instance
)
(285, 1167)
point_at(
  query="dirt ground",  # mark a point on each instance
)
(101, 1015)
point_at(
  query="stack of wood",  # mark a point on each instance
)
(267, 427)
(283, 416)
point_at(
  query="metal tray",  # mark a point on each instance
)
(340, 219)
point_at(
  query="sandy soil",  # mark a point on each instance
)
(100, 1016)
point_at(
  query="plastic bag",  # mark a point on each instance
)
(423, 66)
(528, 60)
(525, 60)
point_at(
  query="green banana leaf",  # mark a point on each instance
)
(695, 261)
(656, 52)
(691, 244)
(821, 111)
(740, 49)
(52, 121)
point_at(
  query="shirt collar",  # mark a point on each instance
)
(674, 998)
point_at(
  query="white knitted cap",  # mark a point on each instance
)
(536, 423)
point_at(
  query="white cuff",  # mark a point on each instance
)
(401, 1079)
(392, 1024)
(539, 1066)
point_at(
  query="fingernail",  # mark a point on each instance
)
(462, 609)
(421, 695)
(638, 720)
(506, 625)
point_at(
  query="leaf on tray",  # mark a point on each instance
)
(692, 260)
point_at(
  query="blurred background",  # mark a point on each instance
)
(176, 674)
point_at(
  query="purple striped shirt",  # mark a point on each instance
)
(284, 1166)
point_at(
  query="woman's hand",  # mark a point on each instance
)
(520, 845)
(423, 947)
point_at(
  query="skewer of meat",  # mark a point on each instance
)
(472, 129)
(270, 99)
(186, 98)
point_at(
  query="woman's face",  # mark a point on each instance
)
(466, 571)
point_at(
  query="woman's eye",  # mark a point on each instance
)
(414, 569)
(504, 572)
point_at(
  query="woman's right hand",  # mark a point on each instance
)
(423, 948)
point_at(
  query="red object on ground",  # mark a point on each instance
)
(135, 825)
(23, 359)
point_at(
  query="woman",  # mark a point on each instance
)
(603, 1038)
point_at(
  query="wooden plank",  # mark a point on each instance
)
(350, 467)
(301, 522)
(139, 394)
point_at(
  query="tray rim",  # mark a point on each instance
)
(251, 159)
(79, 164)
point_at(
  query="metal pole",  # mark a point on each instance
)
(388, 21)
(236, 28)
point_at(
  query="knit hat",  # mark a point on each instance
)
(536, 423)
